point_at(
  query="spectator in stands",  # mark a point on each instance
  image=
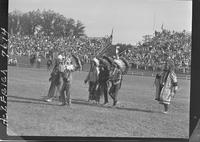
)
(147, 54)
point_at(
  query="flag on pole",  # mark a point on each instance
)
(108, 43)
(109, 40)
(111, 36)
(18, 25)
(162, 27)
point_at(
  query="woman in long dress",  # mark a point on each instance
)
(55, 80)
(169, 85)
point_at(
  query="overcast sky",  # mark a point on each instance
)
(130, 19)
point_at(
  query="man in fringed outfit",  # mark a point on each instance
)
(92, 78)
(103, 84)
(115, 78)
(169, 85)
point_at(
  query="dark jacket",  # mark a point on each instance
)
(55, 75)
(103, 75)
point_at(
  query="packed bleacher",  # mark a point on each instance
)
(43, 45)
(148, 54)
(161, 46)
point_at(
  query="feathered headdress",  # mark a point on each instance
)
(126, 64)
(96, 61)
(109, 60)
(122, 64)
(104, 63)
(76, 62)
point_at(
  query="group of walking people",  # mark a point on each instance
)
(103, 81)
(106, 81)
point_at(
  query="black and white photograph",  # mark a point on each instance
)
(99, 68)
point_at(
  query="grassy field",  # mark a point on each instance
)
(137, 115)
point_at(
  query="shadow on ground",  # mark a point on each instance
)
(18, 99)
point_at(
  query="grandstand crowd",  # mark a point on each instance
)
(166, 44)
(147, 54)
(44, 45)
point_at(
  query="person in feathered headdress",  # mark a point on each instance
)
(92, 78)
(169, 85)
(103, 82)
(115, 78)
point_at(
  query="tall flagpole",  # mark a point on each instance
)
(111, 36)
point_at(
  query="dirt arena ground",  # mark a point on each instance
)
(137, 114)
